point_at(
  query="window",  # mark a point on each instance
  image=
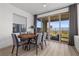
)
(18, 28)
(39, 24)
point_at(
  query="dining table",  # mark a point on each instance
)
(26, 36)
(29, 37)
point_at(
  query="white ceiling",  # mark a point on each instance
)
(37, 8)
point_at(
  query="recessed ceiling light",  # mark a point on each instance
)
(45, 5)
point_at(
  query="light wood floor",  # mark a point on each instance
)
(53, 48)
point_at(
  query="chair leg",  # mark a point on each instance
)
(13, 49)
(17, 51)
(28, 47)
(36, 49)
(41, 46)
(45, 42)
(23, 47)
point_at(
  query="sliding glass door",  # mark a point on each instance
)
(59, 27)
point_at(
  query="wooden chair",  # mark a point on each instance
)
(17, 44)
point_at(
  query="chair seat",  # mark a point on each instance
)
(23, 43)
(32, 42)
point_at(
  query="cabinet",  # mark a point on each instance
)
(76, 42)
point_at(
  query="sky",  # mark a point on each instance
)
(55, 24)
(39, 24)
(64, 23)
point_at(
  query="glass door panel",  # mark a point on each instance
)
(65, 27)
(65, 30)
(54, 27)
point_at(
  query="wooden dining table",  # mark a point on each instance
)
(26, 36)
(29, 37)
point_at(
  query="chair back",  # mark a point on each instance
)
(44, 35)
(15, 39)
(39, 38)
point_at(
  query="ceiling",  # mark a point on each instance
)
(38, 8)
(64, 16)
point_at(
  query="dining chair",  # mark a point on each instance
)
(17, 44)
(22, 40)
(39, 39)
(37, 42)
(44, 38)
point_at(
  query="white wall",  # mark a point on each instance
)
(6, 20)
(54, 12)
(19, 19)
